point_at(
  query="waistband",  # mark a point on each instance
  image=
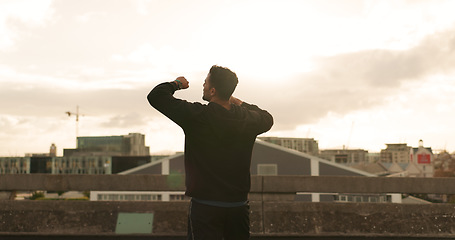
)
(219, 203)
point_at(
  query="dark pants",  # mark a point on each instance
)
(216, 223)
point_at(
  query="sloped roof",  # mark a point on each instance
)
(373, 168)
(264, 152)
(412, 168)
(323, 163)
(414, 200)
(414, 150)
(403, 165)
(395, 167)
(146, 166)
(386, 165)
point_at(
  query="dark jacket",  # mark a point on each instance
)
(218, 143)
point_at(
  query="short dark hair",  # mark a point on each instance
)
(224, 81)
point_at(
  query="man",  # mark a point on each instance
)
(219, 139)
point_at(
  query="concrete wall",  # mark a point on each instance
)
(352, 219)
(83, 217)
(259, 184)
(273, 210)
(276, 218)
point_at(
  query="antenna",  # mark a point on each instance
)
(77, 114)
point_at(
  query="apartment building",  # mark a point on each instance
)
(305, 145)
(345, 156)
(395, 153)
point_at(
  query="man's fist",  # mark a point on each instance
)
(182, 83)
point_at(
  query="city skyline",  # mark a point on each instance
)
(354, 73)
(53, 148)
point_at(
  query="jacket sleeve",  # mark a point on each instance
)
(262, 118)
(178, 110)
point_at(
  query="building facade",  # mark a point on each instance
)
(373, 157)
(132, 144)
(423, 158)
(305, 145)
(396, 152)
(267, 159)
(345, 156)
(71, 165)
(14, 165)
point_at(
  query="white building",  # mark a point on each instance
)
(423, 159)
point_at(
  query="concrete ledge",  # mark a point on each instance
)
(350, 184)
(37, 236)
(84, 217)
(273, 213)
(259, 184)
(85, 182)
(289, 219)
(376, 219)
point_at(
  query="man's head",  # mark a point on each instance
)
(220, 82)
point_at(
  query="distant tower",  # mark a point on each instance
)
(420, 143)
(53, 150)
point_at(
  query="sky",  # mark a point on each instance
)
(352, 73)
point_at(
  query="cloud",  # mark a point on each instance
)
(338, 84)
(106, 57)
(356, 81)
(45, 101)
(21, 134)
(142, 6)
(87, 17)
(125, 121)
(389, 68)
(35, 13)
(148, 54)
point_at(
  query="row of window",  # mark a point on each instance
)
(13, 163)
(80, 171)
(13, 170)
(363, 198)
(84, 165)
(129, 197)
(267, 169)
(137, 197)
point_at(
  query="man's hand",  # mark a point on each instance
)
(182, 83)
(235, 101)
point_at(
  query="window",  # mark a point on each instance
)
(175, 197)
(267, 169)
(129, 197)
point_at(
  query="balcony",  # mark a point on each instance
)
(274, 212)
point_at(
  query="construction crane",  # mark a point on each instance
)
(77, 114)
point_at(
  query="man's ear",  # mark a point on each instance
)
(212, 91)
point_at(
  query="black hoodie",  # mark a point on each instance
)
(218, 143)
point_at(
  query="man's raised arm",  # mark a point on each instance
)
(162, 99)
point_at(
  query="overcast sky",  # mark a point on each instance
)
(345, 72)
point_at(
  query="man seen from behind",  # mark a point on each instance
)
(219, 139)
